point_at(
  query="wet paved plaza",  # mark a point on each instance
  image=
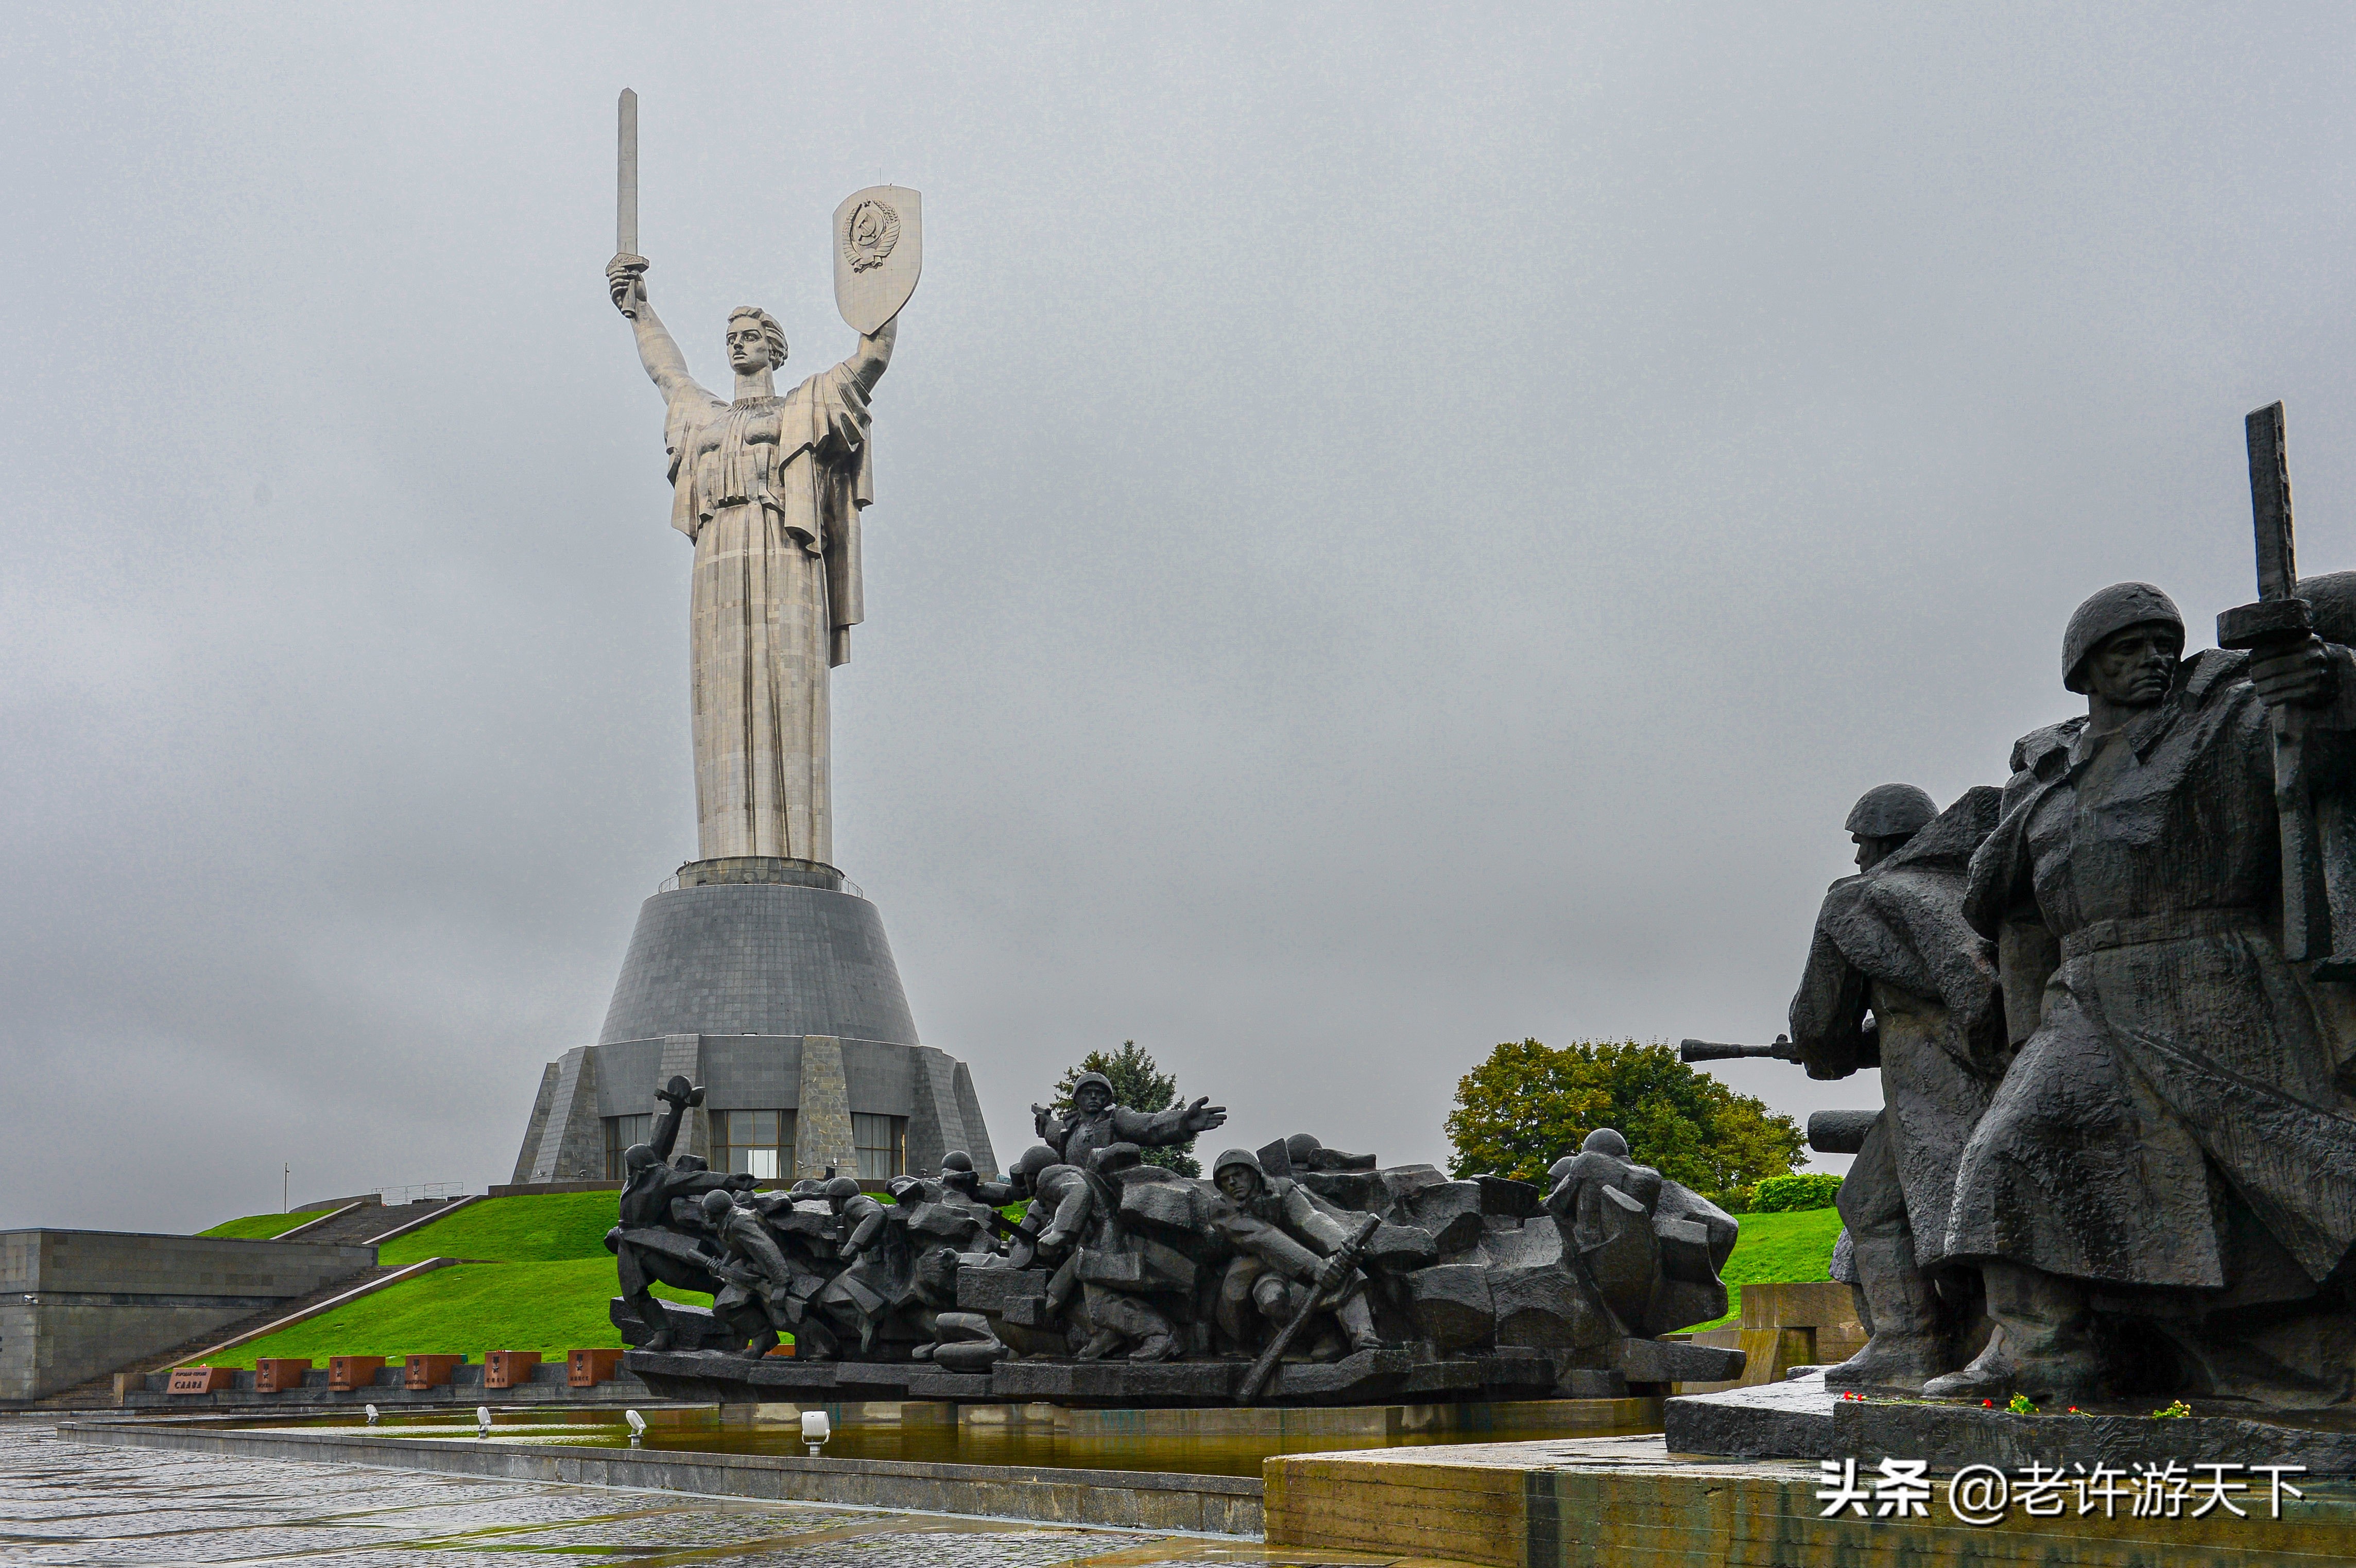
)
(65, 1503)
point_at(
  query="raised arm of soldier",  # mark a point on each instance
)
(677, 1096)
(1175, 1126)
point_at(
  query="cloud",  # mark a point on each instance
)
(1394, 532)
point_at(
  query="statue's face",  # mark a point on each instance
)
(748, 346)
(1238, 1183)
(1091, 1099)
(2133, 668)
(1871, 851)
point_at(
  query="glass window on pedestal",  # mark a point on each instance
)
(758, 1144)
(882, 1144)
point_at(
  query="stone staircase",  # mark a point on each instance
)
(367, 1224)
(359, 1226)
(100, 1393)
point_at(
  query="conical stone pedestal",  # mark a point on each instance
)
(771, 983)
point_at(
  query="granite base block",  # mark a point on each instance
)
(1801, 1419)
(1628, 1502)
(1790, 1420)
(1951, 1436)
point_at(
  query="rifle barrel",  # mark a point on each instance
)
(1711, 1051)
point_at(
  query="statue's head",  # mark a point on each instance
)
(1091, 1092)
(716, 1204)
(2122, 646)
(636, 1157)
(1024, 1172)
(756, 341)
(1884, 819)
(1604, 1140)
(1237, 1174)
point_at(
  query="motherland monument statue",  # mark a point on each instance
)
(759, 971)
(768, 488)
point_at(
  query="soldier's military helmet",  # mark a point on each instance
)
(716, 1202)
(1084, 1079)
(843, 1186)
(1890, 811)
(1243, 1157)
(2331, 599)
(1035, 1158)
(637, 1157)
(955, 1159)
(1605, 1140)
(2114, 610)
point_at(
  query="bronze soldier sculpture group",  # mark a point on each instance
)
(1086, 1255)
(2116, 1031)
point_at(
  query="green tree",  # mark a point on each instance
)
(1530, 1103)
(1138, 1083)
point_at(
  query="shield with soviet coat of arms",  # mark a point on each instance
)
(878, 251)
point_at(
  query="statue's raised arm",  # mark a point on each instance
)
(625, 282)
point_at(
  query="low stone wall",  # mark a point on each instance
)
(1805, 1324)
(75, 1304)
(547, 1385)
(1215, 1505)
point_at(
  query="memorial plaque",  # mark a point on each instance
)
(587, 1368)
(429, 1371)
(201, 1379)
(509, 1368)
(345, 1373)
(278, 1374)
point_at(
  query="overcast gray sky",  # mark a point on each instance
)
(1398, 527)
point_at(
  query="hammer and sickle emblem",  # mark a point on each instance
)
(870, 235)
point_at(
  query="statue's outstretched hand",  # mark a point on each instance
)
(626, 280)
(1201, 1116)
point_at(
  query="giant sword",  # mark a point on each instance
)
(2280, 616)
(625, 175)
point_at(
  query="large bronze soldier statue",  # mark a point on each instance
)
(1095, 1121)
(1891, 940)
(648, 1249)
(2170, 1148)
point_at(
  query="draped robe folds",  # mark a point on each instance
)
(769, 489)
(2176, 1120)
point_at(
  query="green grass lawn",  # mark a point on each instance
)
(260, 1227)
(1777, 1249)
(551, 1308)
(545, 1227)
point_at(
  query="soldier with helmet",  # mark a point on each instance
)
(2170, 1141)
(1285, 1249)
(1895, 979)
(647, 1251)
(1098, 1120)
